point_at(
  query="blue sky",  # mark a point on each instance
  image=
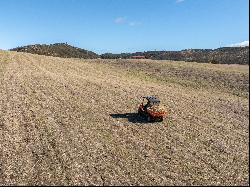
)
(124, 25)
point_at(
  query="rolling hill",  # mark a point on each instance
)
(63, 50)
(224, 55)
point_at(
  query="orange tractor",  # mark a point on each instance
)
(152, 109)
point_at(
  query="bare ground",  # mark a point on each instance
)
(74, 122)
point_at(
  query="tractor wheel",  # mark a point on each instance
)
(139, 112)
(149, 118)
(160, 119)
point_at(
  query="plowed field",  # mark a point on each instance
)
(74, 122)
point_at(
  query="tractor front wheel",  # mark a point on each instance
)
(140, 112)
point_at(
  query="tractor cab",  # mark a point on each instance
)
(151, 101)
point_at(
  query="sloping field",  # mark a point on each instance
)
(74, 122)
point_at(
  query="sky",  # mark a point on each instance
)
(125, 25)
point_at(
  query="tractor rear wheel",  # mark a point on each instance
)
(149, 118)
(160, 119)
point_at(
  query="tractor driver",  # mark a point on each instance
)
(149, 104)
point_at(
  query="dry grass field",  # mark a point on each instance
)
(74, 122)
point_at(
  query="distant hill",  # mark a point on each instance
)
(58, 50)
(224, 55)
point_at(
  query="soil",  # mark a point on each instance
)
(75, 122)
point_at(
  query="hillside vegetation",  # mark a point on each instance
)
(74, 122)
(225, 55)
(57, 50)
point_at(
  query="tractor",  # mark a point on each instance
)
(152, 109)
